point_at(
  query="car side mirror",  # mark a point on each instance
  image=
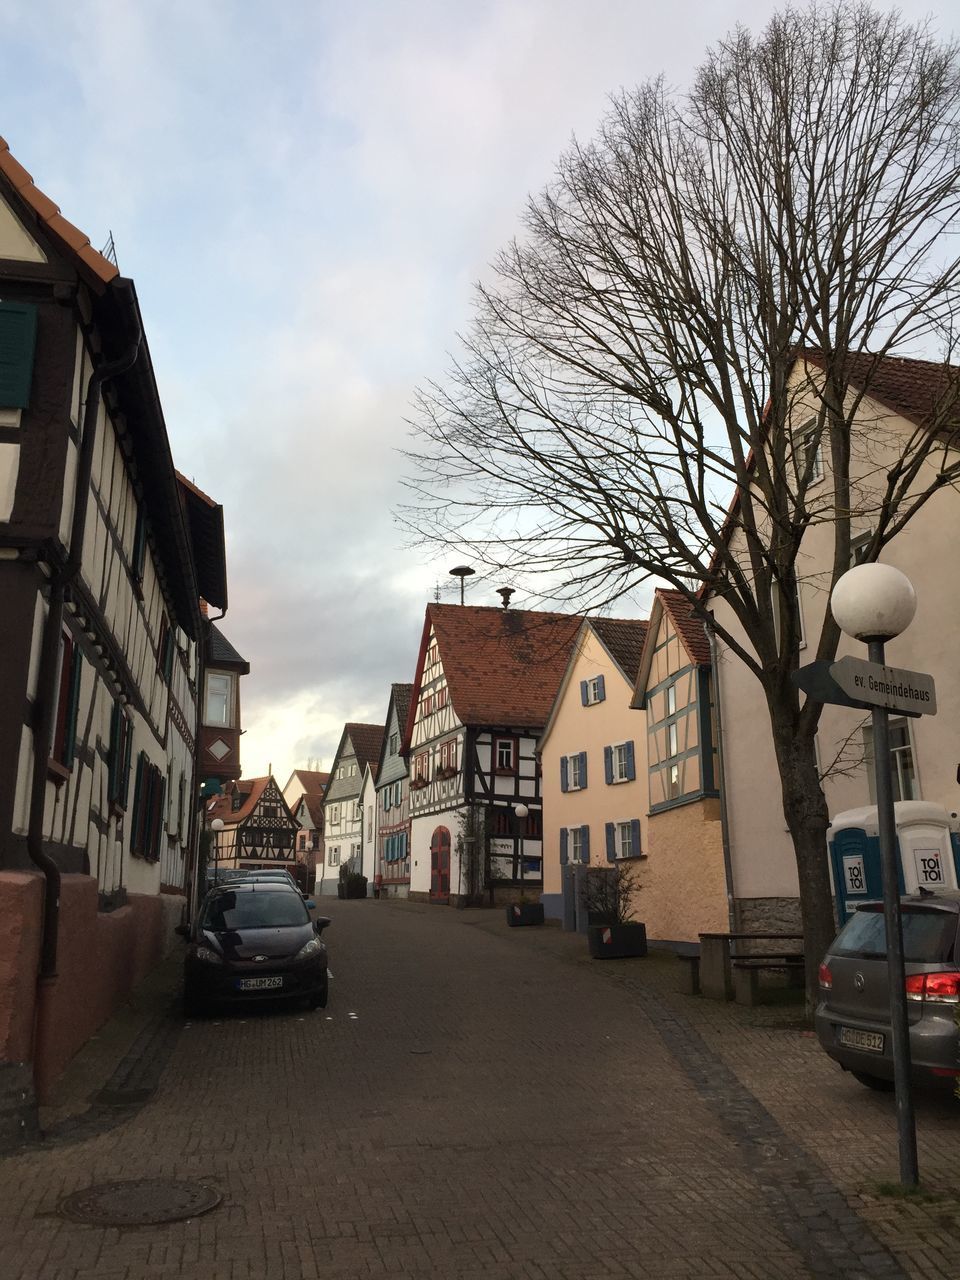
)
(183, 930)
(321, 923)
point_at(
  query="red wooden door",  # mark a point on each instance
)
(440, 865)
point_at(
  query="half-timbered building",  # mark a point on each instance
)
(304, 794)
(485, 682)
(100, 577)
(259, 830)
(684, 887)
(359, 746)
(392, 869)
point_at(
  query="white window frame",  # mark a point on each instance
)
(575, 852)
(229, 696)
(593, 690)
(574, 778)
(334, 815)
(333, 856)
(619, 761)
(624, 843)
(511, 765)
(817, 474)
(896, 761)
(673, 781)
(670, 696)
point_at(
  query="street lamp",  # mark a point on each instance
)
(874, 603)
(216, 826)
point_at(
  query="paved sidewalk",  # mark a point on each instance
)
(485, 1102)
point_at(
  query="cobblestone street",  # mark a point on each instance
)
(484, 1102)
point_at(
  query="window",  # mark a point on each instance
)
(448, 755)
(433, 655)
(775, 602)
(394, 744)
(504, 755)
(333, 856)
(812, 450)
(592, 691)
(624, 840)
(440, 699)
(673, 782)
(218, 704)
(619, 763)
(421, 767)
(358, 813)
(369, 821)
(64, 744)
(302, 841)
(426, 704)
(673, 747)
(500, 824)
(18, 337)
(334, 815)
(314, 840)
(147, 819)
(671, 700)
(573, 772)
(166, 648)
(139, 547)
(859, 545)
(906, 785)
(397, 792)
(576, 844)
(118, 760)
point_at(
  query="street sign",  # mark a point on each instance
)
(908, 692)
(817, 683)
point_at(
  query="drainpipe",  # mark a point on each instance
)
(45, 704)
(724, 815)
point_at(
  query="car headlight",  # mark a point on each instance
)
(208, 955)
(311, 948)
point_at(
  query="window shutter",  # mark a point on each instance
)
(631, 762)
(564, 774)
(635, 837)
(18, 339)
(583, 770)
(583, 693)
(585, 844)
(160, 783)
(73, 705)
(601, 690)
(137, 818)
(115, 764)
(127, 753)
(386, 799)
(608, 765)
(611, 832)
(564, 840)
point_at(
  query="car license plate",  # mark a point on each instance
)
(872, 1041)
(260, 984)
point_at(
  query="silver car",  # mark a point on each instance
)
(853, 1015)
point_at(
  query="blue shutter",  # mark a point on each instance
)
(585, 844)
(18, 337)
(611, 831)
(601, 690)
(635, 837)
(631, 762)
(564, 774)
(583, 693)
(583, 770)
(608, 765)
(564, 838)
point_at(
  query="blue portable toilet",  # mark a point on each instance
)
(928, 852)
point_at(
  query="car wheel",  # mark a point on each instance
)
(873, 1082)
(319, 998)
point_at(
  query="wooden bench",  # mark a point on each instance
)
(748, 968)
(716, 974)
(691, 979)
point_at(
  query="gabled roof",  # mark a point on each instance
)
(502, 666)
(251, 789)
(623, 638)
(70, 239)
(690, 632)
(221, 653)
(915, 389)
(366, 739)
(314, 784)
(400, 698)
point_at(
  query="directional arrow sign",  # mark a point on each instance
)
(817, 683)
(910, 692)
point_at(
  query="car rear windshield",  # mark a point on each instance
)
(270, 910)
(929, 935)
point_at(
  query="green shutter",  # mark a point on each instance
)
(18, 339)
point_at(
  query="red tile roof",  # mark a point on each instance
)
(251, 789)
(366, 739)
(49, 217)
(687, 625)
(314, 784)
(624, 638)
(503, 666)
(915, 389)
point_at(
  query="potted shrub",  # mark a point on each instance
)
(356, 885)
(524, 912)
(608, 896)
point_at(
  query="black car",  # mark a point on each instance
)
(853, 1015)
(254, 941)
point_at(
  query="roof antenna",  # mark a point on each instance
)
(462, 571)
(436, 592)
(505, 593)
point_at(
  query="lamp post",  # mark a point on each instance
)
(874, 603)
(520, 812)
(216, 826)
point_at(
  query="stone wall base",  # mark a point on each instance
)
(768, 915)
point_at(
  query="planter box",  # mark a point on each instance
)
(524, 913)
(617, 941)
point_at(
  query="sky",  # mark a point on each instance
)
(305, 194)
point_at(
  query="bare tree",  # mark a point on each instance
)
(624, 407)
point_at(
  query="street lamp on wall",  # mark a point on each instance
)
(874, 603)
(216, 826)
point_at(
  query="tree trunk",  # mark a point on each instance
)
(807, 818)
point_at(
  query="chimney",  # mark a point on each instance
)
(505, 593)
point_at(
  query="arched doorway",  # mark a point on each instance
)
(440, 865)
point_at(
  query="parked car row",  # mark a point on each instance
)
(853, 1014)
(252, 940)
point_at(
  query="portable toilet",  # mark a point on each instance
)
(928, 848)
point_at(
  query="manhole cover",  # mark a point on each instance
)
(139, 1203)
